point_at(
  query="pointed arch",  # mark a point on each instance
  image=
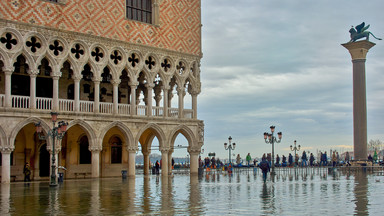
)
(28, 59)
(157, 131)
(127, 133)
(51, 61)
(23, 123)
(92, 138)
(184, 130)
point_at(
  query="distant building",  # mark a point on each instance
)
(116, 71)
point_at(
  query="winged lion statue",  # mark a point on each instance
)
(360, 31)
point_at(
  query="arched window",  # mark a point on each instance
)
(116, 150)
(85, 154)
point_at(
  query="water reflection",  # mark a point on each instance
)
(5, 199)
(216, 193)
(361, 196)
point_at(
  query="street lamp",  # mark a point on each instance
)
(295, 148)
(270, 139)
(229, 147)
(56, 132)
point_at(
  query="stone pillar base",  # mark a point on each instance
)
(361, 163)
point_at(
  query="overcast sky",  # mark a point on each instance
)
(278, 62)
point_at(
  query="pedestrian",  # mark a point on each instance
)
(248, 159)
(27, 172)
(277, 164)
(304, 159)
(337, 158)
(157, 167)
(173, 163)
(311, 159)
(370, 158)
(284, 161)
(297, 160)
(264, 166)
(290, 159)
(269, 159)
(347, 159)
(254, 162)
(334, 159)
(325, 159)
(213, 163)
(238, 159)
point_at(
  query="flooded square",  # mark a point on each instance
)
(291, 192)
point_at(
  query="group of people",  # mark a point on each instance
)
(210, 163)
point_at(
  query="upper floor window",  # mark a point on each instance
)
(140, 10)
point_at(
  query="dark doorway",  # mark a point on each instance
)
(85, 154)
(44, 161)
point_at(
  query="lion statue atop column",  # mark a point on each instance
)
(360, 31)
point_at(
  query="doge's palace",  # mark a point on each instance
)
(119, 72)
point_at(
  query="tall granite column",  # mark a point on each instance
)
(358, 51)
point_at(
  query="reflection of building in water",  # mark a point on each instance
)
(122, 75)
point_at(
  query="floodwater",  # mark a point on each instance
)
(291, 192)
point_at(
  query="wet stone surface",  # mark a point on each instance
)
(290, 192)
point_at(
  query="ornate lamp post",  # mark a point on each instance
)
(229, 147)
(56, 132)
(270, 139)
(295, 148)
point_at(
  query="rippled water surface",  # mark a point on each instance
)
(290, 192)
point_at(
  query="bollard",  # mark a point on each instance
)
(124, 174)
(61, 177)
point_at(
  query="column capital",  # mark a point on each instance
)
(132, 149)
(150, 85)
(165, 87)
(164, 149)
(96, 79)
(95, 148)
(77, 77)
(115, 82)
(358, 49)
(181, 91)
(8, 70)
(194, 151)
(33, 73)
(133, 83)
(6, 149)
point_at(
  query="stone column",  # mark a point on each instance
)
(194, 160)
(55, 95)
(77, 93)
(146, 163)
(164, 161)
(96, 97)
(6, 164)
(8, 96)
(170, 162)
(165, 101)
(358, 51)
(32, 89)
(131, 161)
(194, 105)
(133, 87)
(181, 94)
(95, 163)
(157, 90)
(149, 87)
(115, 84)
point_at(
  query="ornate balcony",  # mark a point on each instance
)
(67, 106)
